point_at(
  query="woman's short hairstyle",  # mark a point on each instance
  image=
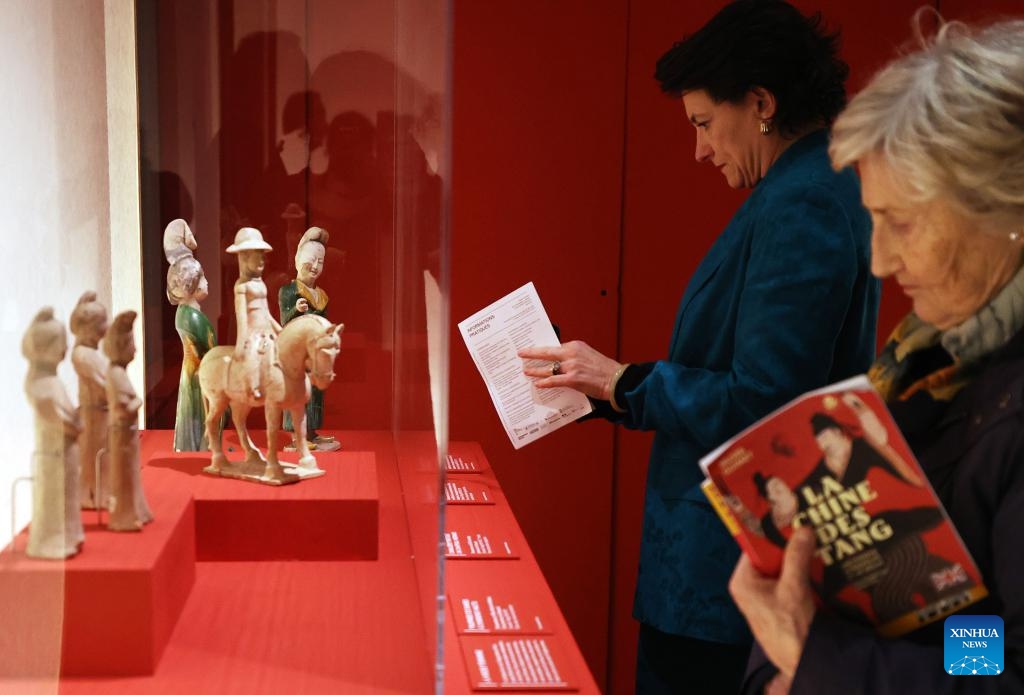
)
(949, 120)
(768, 44)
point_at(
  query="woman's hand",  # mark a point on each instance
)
(580, 367)
(302, 305)
(779, 611)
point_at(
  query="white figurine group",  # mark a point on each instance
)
(70, 442)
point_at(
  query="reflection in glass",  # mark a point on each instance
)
(289, 115)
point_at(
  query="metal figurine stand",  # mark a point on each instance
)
(30, 478)
(100, 504)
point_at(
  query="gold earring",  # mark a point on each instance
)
(767, 126)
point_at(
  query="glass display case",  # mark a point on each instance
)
(280, 115)
(146, 139)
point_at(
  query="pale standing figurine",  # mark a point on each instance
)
(128, 507)
(56, 529)
(256, 341)
(186, 287)
(302, 297)
(89, 324)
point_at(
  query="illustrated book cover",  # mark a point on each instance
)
(835, 461)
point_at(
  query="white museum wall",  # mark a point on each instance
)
(58, 192)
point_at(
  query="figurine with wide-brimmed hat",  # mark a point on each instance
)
(256, 329)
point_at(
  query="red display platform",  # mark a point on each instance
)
(503, 629)
(115, 603)
(272, 626)
(333, 517)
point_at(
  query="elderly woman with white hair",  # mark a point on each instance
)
(938, 137)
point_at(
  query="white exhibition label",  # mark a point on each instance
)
(494, 335)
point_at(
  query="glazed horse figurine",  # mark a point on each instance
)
(308, 344)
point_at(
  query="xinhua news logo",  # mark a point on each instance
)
(974, 645)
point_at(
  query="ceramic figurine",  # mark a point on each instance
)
(299, 298)
(56, 529)
(89, 324)
(267, 367)
(255, 351)
(186, 287)
(128, 507)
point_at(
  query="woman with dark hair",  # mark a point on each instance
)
(782, 303)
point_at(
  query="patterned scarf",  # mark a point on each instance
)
(920, 357)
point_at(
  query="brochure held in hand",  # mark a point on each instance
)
(835, 461)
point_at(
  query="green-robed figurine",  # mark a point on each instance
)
(300, 297)
(186, 287)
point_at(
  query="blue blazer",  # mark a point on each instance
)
(784, 302)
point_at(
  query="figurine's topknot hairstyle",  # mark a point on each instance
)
(86, 313)
(317, 234)
(185, 272)
(119, 335)
(179, 242)
(42, 334)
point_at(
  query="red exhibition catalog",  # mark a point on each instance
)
(835, 461)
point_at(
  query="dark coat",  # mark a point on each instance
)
(783, 302)
(972, 450)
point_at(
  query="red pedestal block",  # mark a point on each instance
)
(111, 609)
(333, 517)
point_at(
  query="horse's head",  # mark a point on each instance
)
(321, 350)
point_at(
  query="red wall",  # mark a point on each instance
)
(537, 182)
(981, 10)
